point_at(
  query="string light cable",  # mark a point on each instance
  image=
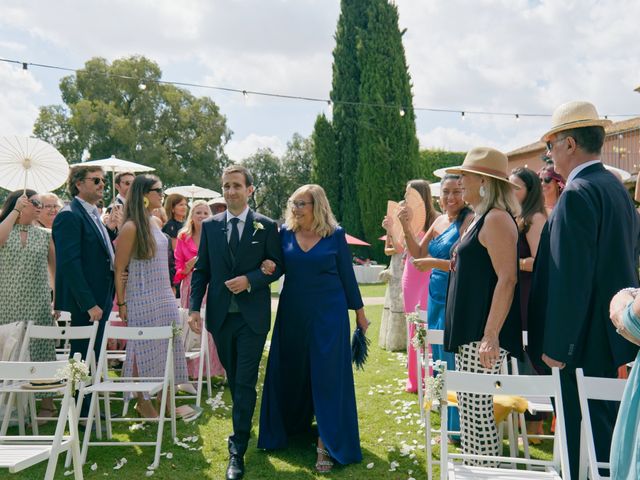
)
(401, 109)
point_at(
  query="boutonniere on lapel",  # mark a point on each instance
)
(257, 226)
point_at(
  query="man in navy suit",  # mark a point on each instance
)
(233, 245)
(84, 258)
(588, 251)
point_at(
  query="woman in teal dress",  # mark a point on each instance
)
(433, 253)
(27, 261)
(625, 444)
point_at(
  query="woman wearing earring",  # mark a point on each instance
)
(432, 253)
(186, 254)
(27, 261)
(176, 208)
(552, 186)
(482, 320)
(146, 300)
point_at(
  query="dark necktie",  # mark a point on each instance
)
(234, 239)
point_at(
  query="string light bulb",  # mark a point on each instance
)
(25, 66)
(462, 115)
(517, 117)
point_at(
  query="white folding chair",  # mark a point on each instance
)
(66, 334)
(151, 386)
(11, 339)
(594, 388)
(545, 385)
(22, 451)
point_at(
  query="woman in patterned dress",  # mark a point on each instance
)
(27, 259)
(147, 299)
(186, 254)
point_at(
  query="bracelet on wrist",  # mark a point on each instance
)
(16, 210)
(123, 304)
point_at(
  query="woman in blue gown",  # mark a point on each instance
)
(434, 252)
(309, 370)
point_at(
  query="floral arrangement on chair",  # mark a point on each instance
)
(74, 372)
(418, 341)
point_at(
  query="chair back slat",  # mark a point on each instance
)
(142, 333)
(62, 333)
(499, 384)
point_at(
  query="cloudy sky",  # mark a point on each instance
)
(514, 56)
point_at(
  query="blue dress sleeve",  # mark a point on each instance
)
(345, 270)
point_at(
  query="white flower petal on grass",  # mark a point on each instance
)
(370, 465)
(148, 473)
(94, 467)
(68, 472)
(169, 455)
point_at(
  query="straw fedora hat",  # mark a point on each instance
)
(485, 161)
(574, 115)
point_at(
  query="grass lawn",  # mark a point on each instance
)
(389, 431)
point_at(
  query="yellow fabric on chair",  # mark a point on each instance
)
(503, 405)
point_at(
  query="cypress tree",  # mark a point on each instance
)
(388, 154)
(325, 167)
(346, 88)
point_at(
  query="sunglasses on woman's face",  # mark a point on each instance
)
(35, 202)
(158, 190)
(547, 179)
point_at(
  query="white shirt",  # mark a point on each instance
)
(579, 168)
(93, 212)
(242, 220)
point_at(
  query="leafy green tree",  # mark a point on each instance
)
(346, 88)
(297, 161)
(326, 164)
(120, 109)
(271, 189)
(431, 160)
(387, 144)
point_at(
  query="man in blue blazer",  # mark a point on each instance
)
(233, 245)
(84, 258)
(588, 251)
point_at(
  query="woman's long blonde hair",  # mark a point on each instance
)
(324, 223)
(189, 227)
(498, 194)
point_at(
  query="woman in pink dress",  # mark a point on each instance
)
(415, 284)
(186, 254)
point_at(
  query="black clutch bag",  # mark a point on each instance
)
(359, 348)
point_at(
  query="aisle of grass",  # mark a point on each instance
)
(391, 436)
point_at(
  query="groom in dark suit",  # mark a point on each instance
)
(588, 251)
(233, 245)
(84, 259)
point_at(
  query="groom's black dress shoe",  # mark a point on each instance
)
(235, 469)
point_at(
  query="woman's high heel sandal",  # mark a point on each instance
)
(323, 465)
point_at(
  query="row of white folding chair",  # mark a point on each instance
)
(18, 452)
(594, 388)
(53, 333)
(524, 385)
(150, 386)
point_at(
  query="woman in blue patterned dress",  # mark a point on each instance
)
(434, 253)
(147, 299)
(309, 370)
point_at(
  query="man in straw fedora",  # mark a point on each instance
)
(587, 252)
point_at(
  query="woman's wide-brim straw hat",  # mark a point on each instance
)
(574, 115)
(485, 161)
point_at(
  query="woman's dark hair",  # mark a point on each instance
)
(422, 187)
(135, 210)
(534, 201)
(10, 202)
(170, 202)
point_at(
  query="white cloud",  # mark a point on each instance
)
(238, 150)
(17, 88)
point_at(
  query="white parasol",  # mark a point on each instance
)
(27, 162)
(193, 191)
(114, 164)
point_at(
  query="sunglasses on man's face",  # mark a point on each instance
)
(547, 179)
(96, 180)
